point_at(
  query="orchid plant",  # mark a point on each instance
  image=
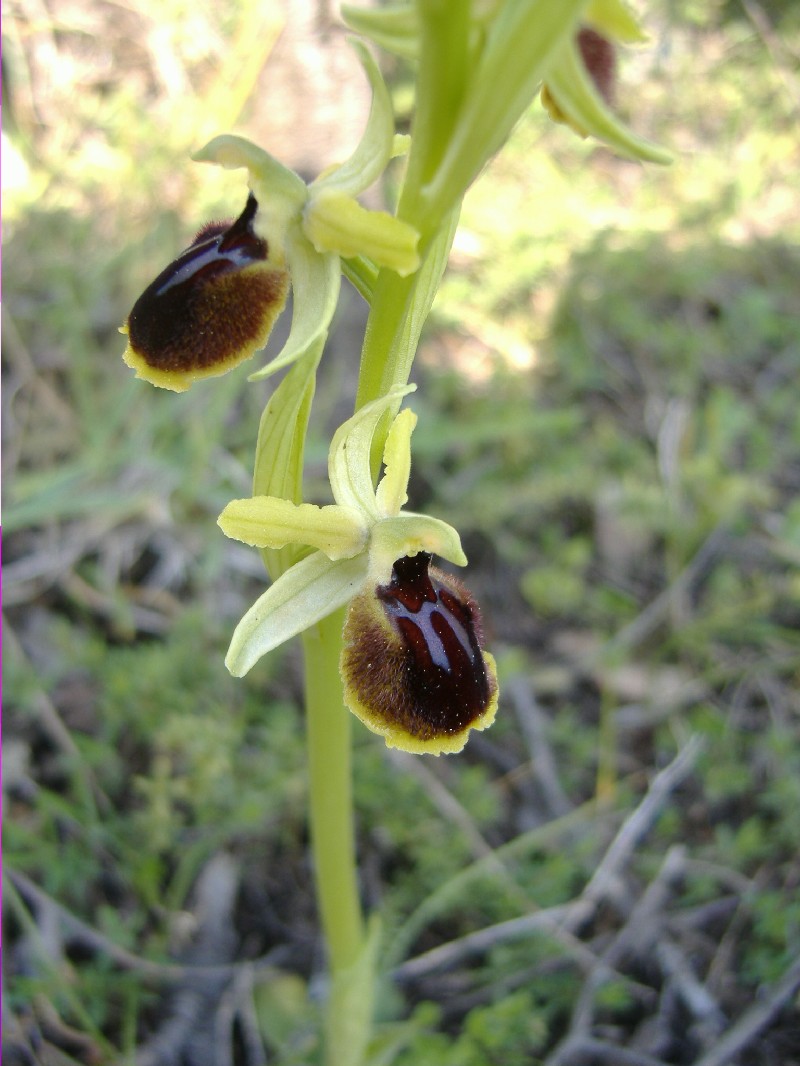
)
(386, 635)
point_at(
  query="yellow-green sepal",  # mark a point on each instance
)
(279, 191)
(375, 148)
(519, 47)
(394, 28)
(303, 596)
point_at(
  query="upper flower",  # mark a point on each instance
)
(497, 55)
(365, 543)
(216, 304)
(579, 84)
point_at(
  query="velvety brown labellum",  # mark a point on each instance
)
(422, 671)
(210, 303)
(600, 60)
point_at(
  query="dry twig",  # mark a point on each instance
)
(753, 1021)
(532, 724)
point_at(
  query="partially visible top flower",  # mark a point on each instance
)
(216, 304)
(579, 86)
(413, 664)
(499, 54)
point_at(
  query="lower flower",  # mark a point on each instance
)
(413, 664)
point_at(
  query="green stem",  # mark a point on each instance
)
(351, 951)
(329, 759)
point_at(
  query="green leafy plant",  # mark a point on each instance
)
(384, 635)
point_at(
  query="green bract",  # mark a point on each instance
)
(357, 539)
(315, 225)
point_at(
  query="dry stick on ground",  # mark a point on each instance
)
(52, 723)
(638, 823)
(636, 936)
(247, 1015)
(76, 930)
(532, 724)
(753, 1021)
(237, 1006)
(457, 951)
(441, 797)
(605, 883)
(695, 996)
(188, 1027)
(587, 1049)
(658, 610)
(568, 917)
(51, 559)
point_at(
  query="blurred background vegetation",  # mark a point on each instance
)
(608, 413)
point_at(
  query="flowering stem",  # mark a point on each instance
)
(349, 1004)
(398, 311)
(329, 763)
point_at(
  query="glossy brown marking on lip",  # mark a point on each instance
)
(212, 307)
(413, 656)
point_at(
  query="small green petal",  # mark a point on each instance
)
(614, 19)
(315, 286)
(335, 222)
(374, 150)
(571, 87)
(303, 596)
(348, 459)
(270, 522)
(409, 534)
(392, 492)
